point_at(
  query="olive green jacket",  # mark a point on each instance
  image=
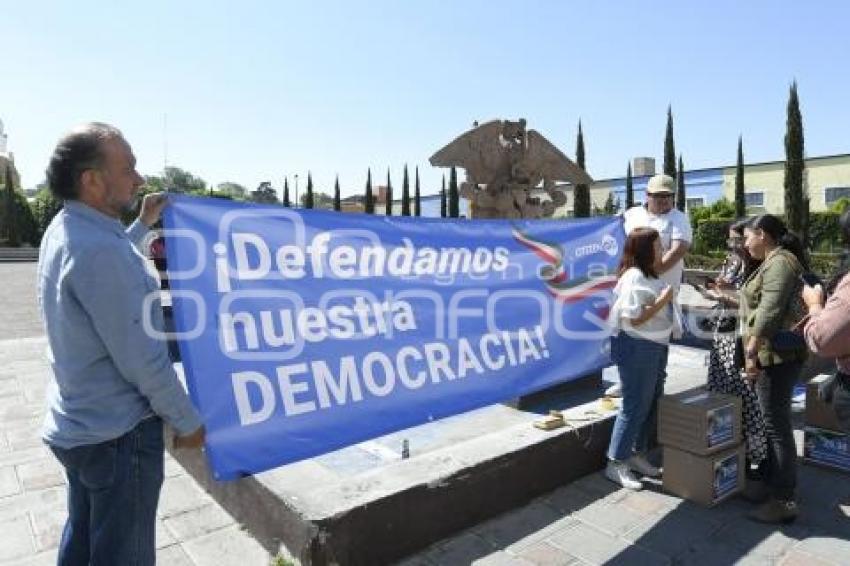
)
(766, 298)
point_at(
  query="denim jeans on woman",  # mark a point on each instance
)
(641, 364)
(113, 490)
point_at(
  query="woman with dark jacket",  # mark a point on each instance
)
(767, 300)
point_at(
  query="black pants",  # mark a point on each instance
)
(775, 389)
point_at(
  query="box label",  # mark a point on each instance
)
(721, 425)
(828, 448)
(695, 398)
(725, 476)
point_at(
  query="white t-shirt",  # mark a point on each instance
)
(671, 226)
(633, 292)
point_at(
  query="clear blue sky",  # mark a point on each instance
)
(254, 91)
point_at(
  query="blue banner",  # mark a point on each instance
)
(304, 331)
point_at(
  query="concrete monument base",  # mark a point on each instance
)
(366, 505)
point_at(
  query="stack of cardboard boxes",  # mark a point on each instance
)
(824, 442)
(700, 432)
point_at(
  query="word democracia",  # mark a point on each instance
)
(305, 387)
(254, 260)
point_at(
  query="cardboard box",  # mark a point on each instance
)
(826, 448)
(818, 413)
(699, 421)
(706, 480)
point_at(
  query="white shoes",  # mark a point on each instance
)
(641, 465)
(615, 390)
(619, 473)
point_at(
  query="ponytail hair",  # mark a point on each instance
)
(775, 228)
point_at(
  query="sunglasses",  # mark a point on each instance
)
(665, 196)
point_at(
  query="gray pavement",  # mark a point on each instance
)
(192, 530)
(586, 522)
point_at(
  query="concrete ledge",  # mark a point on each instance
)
(18, 254)
(402, 506)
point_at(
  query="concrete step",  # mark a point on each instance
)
(366, 505)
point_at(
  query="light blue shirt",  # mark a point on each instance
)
(108, 373)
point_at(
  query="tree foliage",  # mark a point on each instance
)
(388, 208)
(308, 197)
(630, 187)
(669, 146)
(233, 190)
(581, 193)
(405, 194)
(740, 201)
(369, 199)
(286, 201)
(337, 198)
(681, 197)
(264, 194)
(443, 204)
(417, 197)
(44, 207)
(454, 195)
(796, 203)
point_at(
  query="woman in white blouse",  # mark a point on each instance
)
(642, 319)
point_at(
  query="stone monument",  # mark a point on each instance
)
(508, 170)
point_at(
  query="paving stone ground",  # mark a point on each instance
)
(192, 530)
(586, 522)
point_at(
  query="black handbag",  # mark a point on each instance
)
(720, 320)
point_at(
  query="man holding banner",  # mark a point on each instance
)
(113, 383)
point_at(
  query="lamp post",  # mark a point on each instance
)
(296, 191)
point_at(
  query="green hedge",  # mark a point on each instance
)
(824, 232)
(711, 235)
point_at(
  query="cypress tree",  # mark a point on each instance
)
(13, 239)
(417, 198)
(405, 194)
(796, 209)
(681, 199)
(369, 200)
(454, 197)
(740, 201)
(669, 147)
(443, 209)
(581, 198)
(610, 207)
(286, 202)
(630, 187)
(308, 200)
(388, 210)
(337, 199)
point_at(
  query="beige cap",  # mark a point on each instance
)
(661, 184)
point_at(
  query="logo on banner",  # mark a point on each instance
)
(555, 274)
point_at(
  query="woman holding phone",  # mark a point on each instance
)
(642, 324)
(724, 366)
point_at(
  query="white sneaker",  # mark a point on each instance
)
(619, 473)
(641, 465)
(615, 390)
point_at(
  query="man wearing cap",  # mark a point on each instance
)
(676, 236)
(671, 223)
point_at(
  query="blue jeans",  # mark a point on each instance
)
(641, 364)
(113, 491)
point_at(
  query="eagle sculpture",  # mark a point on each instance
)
(504, 163)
